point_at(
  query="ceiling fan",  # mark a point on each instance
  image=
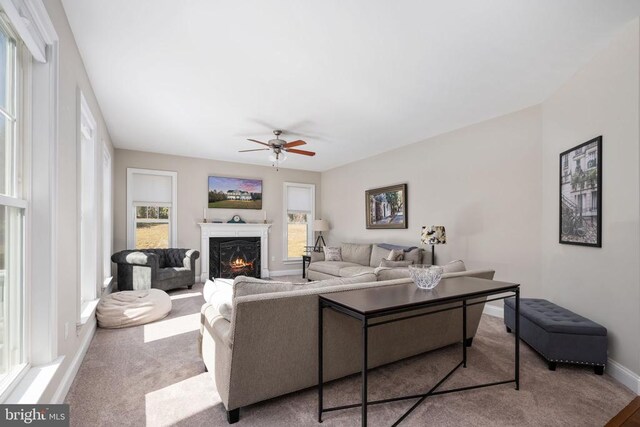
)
(280, 147)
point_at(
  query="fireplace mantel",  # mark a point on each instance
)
(213, 229)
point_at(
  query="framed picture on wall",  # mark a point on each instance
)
(234, 193)
(581, 194)
(387, 207)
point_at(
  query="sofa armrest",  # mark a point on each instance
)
(137, 258)
(317, 256)
(190, 257)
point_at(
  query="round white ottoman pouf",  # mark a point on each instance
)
(132, 308)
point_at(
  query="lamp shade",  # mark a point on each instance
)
(320, 225)
(434, 235)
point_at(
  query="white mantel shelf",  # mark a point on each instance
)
(225, 229)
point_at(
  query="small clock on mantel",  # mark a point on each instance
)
(236, 220)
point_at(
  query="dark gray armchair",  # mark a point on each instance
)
(156, 268)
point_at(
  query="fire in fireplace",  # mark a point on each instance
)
(234, 256)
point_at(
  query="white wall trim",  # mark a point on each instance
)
(622, 374)
(278, 273)
(492, 310)
(68, 377)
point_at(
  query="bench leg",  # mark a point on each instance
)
(599, 370)
(508, 329)
(233, 416)
(552, 366)
(468, 342)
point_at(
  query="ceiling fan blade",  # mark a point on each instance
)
(296, 143)
(259, 142)
(255, 149)
(303, 152)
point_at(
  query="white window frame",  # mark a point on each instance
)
(131, 205)
(20, 169)
(32, 22)
(285, 235)
(107, 215)
(88, 244)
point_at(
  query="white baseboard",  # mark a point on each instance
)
(492, 310)
(620, 373)
(624, 375)
(295, 272)
(74, 366)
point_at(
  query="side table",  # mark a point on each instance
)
(306, 260)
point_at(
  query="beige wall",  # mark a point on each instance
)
(603, 284)
(72, 79)
(494, 185)
(192, 196)
(481, 182)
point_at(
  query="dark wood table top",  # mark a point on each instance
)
(388, 298)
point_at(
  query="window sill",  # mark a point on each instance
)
(32, 386)
(292, 261)
(87, 311)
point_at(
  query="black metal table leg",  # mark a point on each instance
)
(517, 367)
(365, 348)
(464, 333)
(320, 376)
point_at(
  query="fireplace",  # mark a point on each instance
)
(234, 256)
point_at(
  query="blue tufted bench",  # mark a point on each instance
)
(558, 334)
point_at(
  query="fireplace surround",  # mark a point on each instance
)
(230, 257)
(231, 231)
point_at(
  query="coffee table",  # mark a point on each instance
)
(372, 305)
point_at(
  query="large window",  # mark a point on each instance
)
(151, 208)
(107, 214)
(88, 212)
(299, 203)
(13, 206)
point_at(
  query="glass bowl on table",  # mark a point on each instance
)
(425, 276)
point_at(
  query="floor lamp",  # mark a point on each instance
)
(320, 225)
(434, 235)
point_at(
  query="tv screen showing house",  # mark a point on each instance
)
(235, 193)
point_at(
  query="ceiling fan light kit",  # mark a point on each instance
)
(280, 148)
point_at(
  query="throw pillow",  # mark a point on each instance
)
(454, 267)
(387, 263)
(396, 255)
(332, 253)
(414, 255)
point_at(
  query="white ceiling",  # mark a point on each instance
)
(352, 78)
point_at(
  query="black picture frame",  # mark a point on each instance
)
(378, 200)
(225, 192)
(580, 195)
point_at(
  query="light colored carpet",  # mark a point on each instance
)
(151, 375)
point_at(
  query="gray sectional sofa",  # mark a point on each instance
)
(262, 343)
(363, 258)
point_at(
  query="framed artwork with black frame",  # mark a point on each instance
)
(386, 207)
(581, 194)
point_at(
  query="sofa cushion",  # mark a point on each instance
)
(169, 273)
(377, 254)
(392, 264)
(414, 255)
(332, 253)
(331, 267)
(355, 271)
(454, 266)
(395, 255)
(356, 253)
(386, 273)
